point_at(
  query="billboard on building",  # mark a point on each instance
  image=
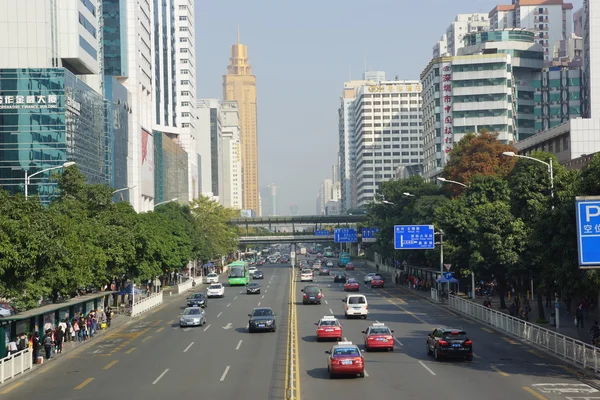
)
(147, 164)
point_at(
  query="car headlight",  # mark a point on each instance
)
(269, 322)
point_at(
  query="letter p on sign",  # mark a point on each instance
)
(591, 211)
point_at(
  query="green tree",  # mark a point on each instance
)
(217, 236)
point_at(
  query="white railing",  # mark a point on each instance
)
(435, 295)
(184, 286)
(15, 364)
(579, 353)
(147, 303)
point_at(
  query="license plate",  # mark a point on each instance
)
(456, 345)
(312, 298)
(379, 339)
(346, 362)
(261, 325)
(328, 330)
(356, 308)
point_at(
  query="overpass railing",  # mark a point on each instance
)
(284, 237)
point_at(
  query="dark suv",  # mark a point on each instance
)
(312, 295)
(449, 343)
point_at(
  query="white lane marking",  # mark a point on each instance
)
(331, 311)
(376, 321)
(265, 292)
(187, 348)
(224, 374)
(326, 302)
(345, 340)
(208, 326)
(235, 297)
(399, 342)
(239, 344)
(258, 305)
(263, 297)
(218, 315)
(366, 374)
(228, 304)
(160, 376)
(247, 325)
(241, 292)
(427, 368)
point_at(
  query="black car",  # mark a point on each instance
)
(449, 343)
(262, 319)
(253, 288)
(258, 275)
(312, 294)
(197, 300)
(323, 271)
(339, 277)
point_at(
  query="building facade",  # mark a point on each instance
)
(209, 133)
(591, 59)
(462, 25)
(171, 174)
(117, 136)
(324, 196)
(239, 84)
(231, 164)
(48, 117)
(558, 96)
(550, 21)
(388, 133)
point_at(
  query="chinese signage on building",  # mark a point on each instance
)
(446, 117)
(396, 88)
(28, 101)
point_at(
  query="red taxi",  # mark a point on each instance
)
(378, 336)
(345, 359)
(349, 267)
(329, 328)
(351, 286)
(377, 281)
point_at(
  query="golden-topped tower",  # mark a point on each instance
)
(240, 85)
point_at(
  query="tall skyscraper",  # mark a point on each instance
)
(240, 84)
(231, 165)
(325, 195)
(210, 146)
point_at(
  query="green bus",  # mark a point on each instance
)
(238, 273)
(344, 259)
(329, 252)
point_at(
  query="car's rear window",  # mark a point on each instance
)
(356, 300)
(329, 323)
(346, 351)
(380, 331)
(456, 335)
(311, 289)
(215, 287)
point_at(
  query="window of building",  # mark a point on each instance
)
(183, 18)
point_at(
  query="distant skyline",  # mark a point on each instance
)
(301, 58)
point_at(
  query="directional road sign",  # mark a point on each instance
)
(414, 237)
(588, 231)
(368, 235)
(448, 275)
(322, 232)
(345, 235)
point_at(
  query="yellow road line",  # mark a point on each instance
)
(158, 309)
(534, 393)
(130, 350)
(296, 349)
(509, 340)
(498, 370)
(146, 338)
(157, 322)
(170, 322)
(12, 387)
(83, 384)
(536, 353)
(487, 330)
(287, 356)
(160, 329)
(110, 364)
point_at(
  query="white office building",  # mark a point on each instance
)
(231, 166)
(462, 25)
(440, 49)
(591, 58)
(325, 195)
(388, 133)
(551, 21)
(209, 146)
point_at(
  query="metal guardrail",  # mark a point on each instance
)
(15, 364)
(435, 295)
(575, 351)
(291, 378)
(146, 304)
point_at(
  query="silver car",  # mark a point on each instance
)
(192, 316)
(369, 277)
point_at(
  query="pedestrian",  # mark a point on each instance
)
(35, 346)
(579, 316)
(60, 337)
(12, 347)
(48, 344)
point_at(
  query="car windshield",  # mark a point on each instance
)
(371, 274)
(352, 281)
(253, 285)
(212, 275)
(262, 313)
(192, 311)
(379, 331)
(237, 272)
(215, 287)
(306, 271)
(198, 296)
(257, 272)
(328, 322)
(346, 351)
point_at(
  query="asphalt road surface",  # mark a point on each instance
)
(503, 368)
(154, 358)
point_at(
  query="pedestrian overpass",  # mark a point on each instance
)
(299, 238)
(293, 220)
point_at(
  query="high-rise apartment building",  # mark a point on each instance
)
(209, 145)
(550, 20)
(440, 49)
(591, 59)
(324, 196)
(388, 133)
(240, 84)
(463, 24)
(231, 165)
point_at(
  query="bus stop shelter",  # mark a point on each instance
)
(47, 317)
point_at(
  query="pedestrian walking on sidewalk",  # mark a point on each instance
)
(48, 344)
(35, 346)
(60, 337)
(579, 316)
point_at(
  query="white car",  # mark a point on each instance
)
(356, 305)
(369, 277)
(212, 278)
(215, 290)
(307, 275)
(252, 270)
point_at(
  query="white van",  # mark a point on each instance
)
(356, 305)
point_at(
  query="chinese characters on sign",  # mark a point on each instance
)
(28, 101)
(447, 121)
(414, 237)
(397, 88)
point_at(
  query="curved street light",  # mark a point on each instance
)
(408, 194)
(165, 202)
(28, 177)
(124, 189)
(449, 181)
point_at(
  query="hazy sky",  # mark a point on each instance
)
(301, 53)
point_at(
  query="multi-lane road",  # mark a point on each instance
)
(152, 358)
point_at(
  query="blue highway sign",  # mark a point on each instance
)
(588, 231)
(368, 235)
(345, 235)
(322, 232)
(414, 237)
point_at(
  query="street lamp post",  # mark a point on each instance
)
(547, 164)
(455, 182)
(124, 189)
(28, 177)
(165, 202)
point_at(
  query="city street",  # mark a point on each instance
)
(502, 368)
(155, 359)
